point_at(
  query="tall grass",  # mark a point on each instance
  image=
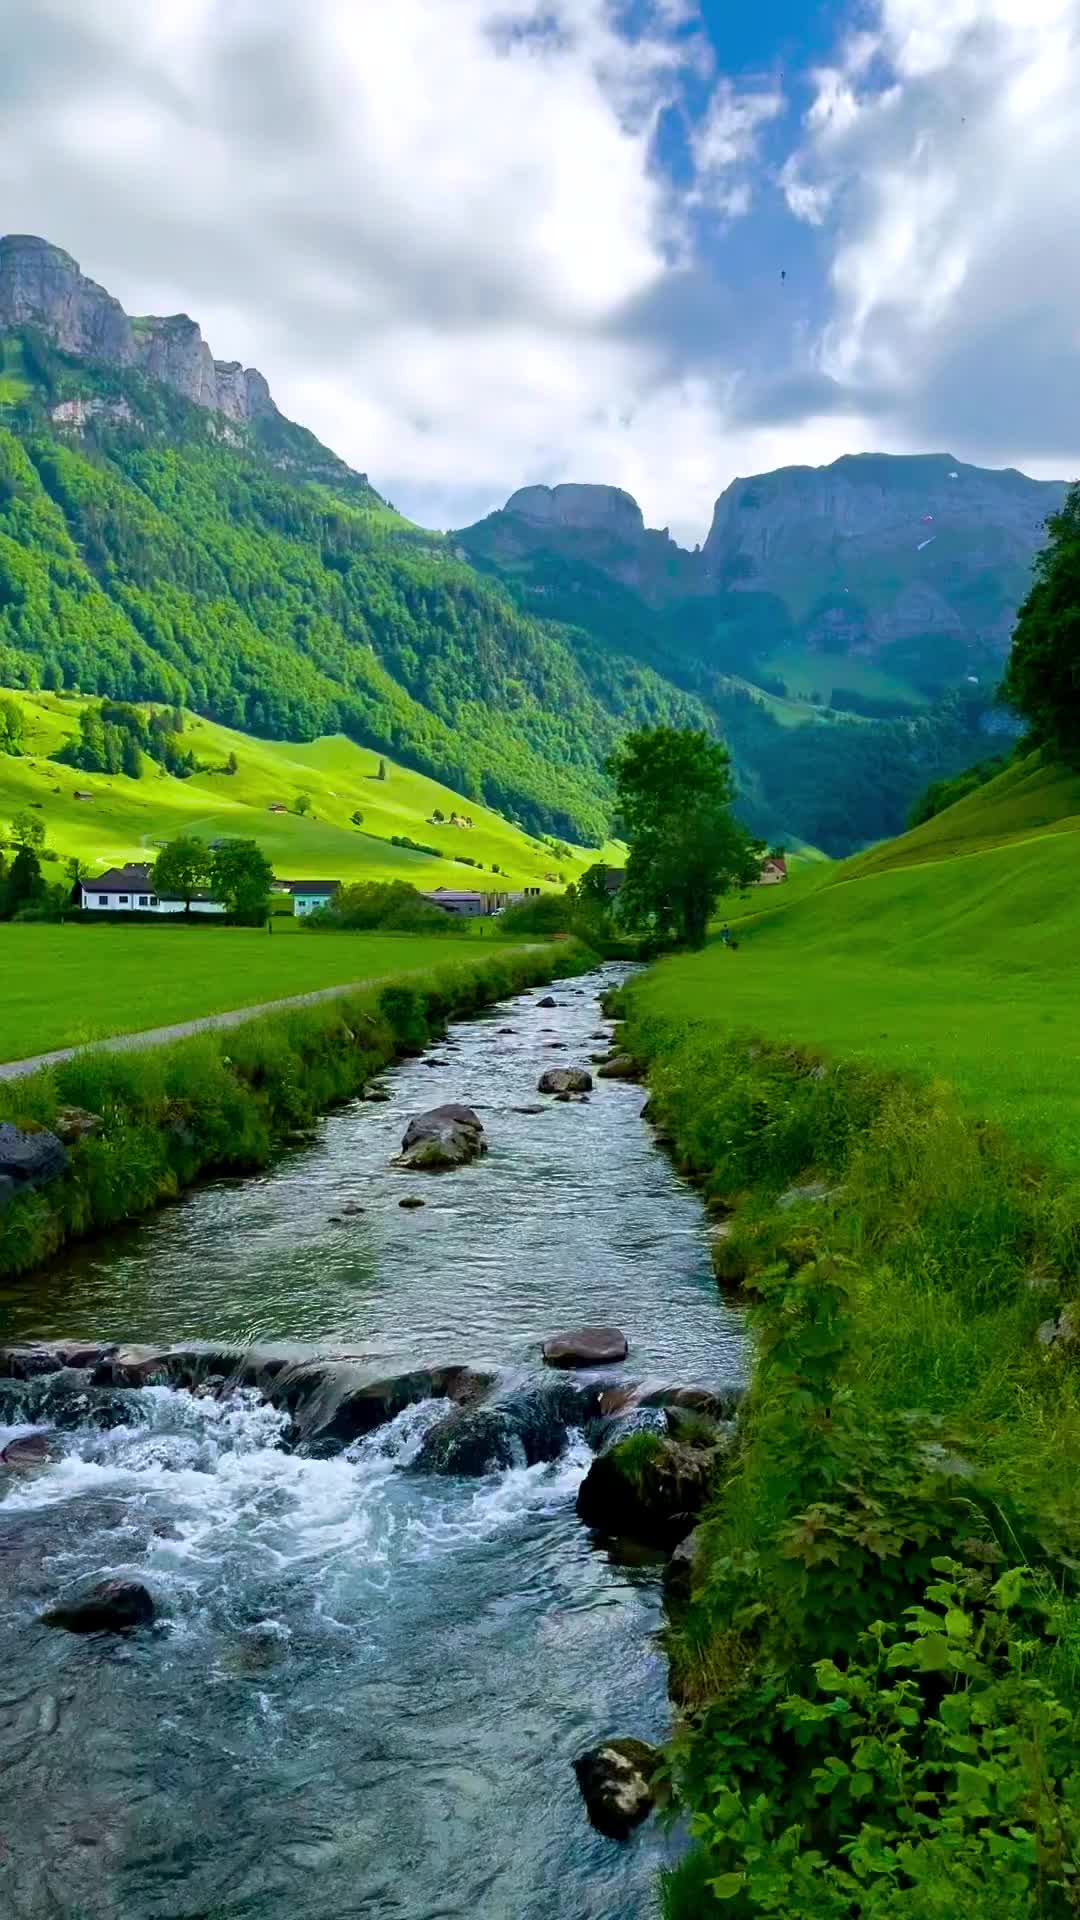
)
(904, 1409)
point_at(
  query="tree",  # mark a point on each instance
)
(27, 830)
(232, 764)
(1042, 678)
(674, 796)
(131, 758)
(11, 726)
(358, 818)
(303, 803)
(381, 775)
(25, 884)
(182, 869)
(241, 877)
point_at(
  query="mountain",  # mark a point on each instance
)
(911, 566)
(166, 534)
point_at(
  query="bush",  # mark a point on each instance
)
(392, 906)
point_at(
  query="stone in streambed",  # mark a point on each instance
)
(617, 1784)
(648, 1488)
(680, 1569)
(444, 1137)
(524, 1428)
(586, 1347)
(411, 1202)
(332, 1404)
(565, 1080)
(622, 1066)
(113, 1606)
(32, 1450)
(549, 1000)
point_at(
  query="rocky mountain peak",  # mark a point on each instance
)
(42, 286)
(592, 509)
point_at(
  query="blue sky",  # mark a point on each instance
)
(481, 243)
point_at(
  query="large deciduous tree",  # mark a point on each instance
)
(675, 795)
(1042, 679)
(182, 869)
(241, 877)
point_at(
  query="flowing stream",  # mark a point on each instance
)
(368, 1684)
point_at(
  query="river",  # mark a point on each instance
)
(368, 1684)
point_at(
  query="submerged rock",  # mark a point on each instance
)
(411, 1202)
(444, 1137)
(586, 1347)
(565, 1080)
(522, 1429)
(648, 1488)
(113, 1606)
(617, 1781)
(332, 1404)
(31, 1451)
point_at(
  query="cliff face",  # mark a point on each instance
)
(42, 286)
(877, 547)
(606, 510)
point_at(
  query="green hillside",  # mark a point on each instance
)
(949, 952)
(152, 551)
(125, 818)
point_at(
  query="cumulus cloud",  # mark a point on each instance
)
(943, 148)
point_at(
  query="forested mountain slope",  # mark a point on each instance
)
(166, 534)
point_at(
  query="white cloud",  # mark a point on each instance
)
(727, 138)
(945, 148)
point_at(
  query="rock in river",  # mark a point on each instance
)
(622, 1066)
(113, 1606)
(586, 1347)
(647, 1488)
(616, 1781)
(565, 1080)
(549, 1000)
(448, 1136)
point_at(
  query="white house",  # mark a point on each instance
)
(131, 890)
(308, 896)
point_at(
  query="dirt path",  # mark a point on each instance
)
(160, 1036)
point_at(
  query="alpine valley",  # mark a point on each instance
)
(167, 535)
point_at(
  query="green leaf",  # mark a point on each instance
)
(728, 1885)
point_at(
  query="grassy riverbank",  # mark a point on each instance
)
(224, 1101)
(879, 1665)
(69, 986)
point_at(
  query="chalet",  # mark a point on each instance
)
(277, 806)
(131, 890)
(773, 871)
(613, 880)
(308, 896)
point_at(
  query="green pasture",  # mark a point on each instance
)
(126, 819)
(960, 966)
(66, 986)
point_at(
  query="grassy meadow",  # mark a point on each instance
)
(879, 1652)
(949, 953)
(67, 986)
(126, 819)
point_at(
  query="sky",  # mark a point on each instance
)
(480, 244)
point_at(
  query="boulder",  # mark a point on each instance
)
(411, 1202)
(75, 1123)
(719, 1403)
(586, 1347)
(529, 1110)
(622, 1066)
(31, 1159)
(331, 1406)
(113, 1606)
(647, 1488)
(524, 1428)
(565, 1080)
(377, 1096)
(549, 1000)
(444, 1137)
(133, 1367)
(617, 1782)
(23, 1455)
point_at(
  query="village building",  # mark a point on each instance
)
(773, 871)
(130, 889)
(467, 902)
(308, 896)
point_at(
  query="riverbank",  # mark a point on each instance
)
(140, 1126)
(877, 1662)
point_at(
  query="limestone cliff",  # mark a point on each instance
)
(43, 287)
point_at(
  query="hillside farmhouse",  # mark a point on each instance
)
(130, 890)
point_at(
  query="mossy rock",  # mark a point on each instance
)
(648, 1487)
